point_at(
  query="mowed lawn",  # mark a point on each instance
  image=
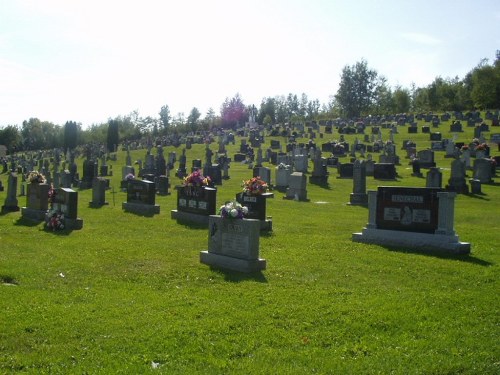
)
(127, 294)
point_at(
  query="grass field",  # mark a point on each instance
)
(127, 294)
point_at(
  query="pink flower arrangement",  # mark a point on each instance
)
(196, 179)
(255, 186)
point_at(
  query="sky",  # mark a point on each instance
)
(91, 60)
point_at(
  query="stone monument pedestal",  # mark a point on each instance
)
(233, 244)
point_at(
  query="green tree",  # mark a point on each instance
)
(70, 135)
(267, 108)
(192, 120)
(357, 89)
(38, 135)
(10, 138)
(401, 100)
(210, 117)
(165, 119)
(113, 136)
(486, 87)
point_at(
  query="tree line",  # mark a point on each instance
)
(362, 91)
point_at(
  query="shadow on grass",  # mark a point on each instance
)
(195, 226)
(27, 222)
(481, 196)
(8, 280)
(266, 233)
(236, 277)
(467, 258)
(61, 232)
(322, 185)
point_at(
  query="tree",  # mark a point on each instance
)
(165, 118)
(486, 86)
(401, 99)
(267, 108)
(38, 135)
(113, 137)
(357, 89)
(233, 111)
(210, 117)
(192, 120)
(70, 135)
(11, 138)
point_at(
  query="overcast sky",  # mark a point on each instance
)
(89, 60)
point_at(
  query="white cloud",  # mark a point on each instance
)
(422, 38)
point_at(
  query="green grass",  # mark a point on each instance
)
(134, 292)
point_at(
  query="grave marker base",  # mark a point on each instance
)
(230, 263)
(358, 199)
(73, 224)
(141, 209)
(32, 214)
(412, 240)
(188, 217)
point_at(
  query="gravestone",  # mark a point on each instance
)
(66, 202)
(456, 127)
(416, 168)
(345, 170)
(319, 174)
(482, 171)
(256, 205)
(384, 171)
(264, 173)
(141, 198)
(412, 218)
(233, 244)
(434, 178)
(426, 158)
(475, 186)
(195, 204)
(283, 173)
(457, 181)
(301, 163)
(163, 185)
(297, 187)
(98, 192)
(358, 196)
(89, 173)
(37, 202)
(10, 203)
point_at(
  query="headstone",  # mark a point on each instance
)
(319, 174)
(37, 202)
(11, 203)
(98, 192)
(426, 158)
(416, 168)
(66, 201)
(358, 195)
(457, 181)
(345, 170)
(297, 187)
(301, 163)
(482, 171)
(283, 173)
(89, 173)
(141, 198)
(163, 185)
(233, 244)
(434, 178)
(256, 205)
(195, 204)
(475, 186)
(264, 173)
(412, 218)
(384, 171)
